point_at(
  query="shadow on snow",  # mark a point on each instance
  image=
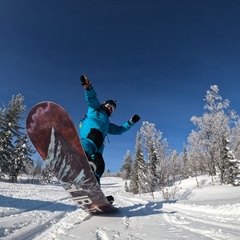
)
(150, 208)
(31, 204)
(137, 210)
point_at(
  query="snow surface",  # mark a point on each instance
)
(29, 211)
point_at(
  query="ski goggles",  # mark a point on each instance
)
(110, 106)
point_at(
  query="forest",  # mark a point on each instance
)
(213, 148)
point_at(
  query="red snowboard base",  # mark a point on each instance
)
(54, 136)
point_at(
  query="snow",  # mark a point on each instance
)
(29, 211)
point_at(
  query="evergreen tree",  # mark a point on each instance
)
(142, 175)
(47, 175)
(20, 160)
(157, 151)
(127, 166)
(126, 187)
(152, 166)
(234, 138)
(151, 140)
(14, 152)
(6, 149)
(138, 183)
(107, 173)
(185, 171)
(231, 172)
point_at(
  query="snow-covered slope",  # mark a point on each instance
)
(37, 212)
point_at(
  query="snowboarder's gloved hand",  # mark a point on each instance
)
(85, 82)
(135, 118)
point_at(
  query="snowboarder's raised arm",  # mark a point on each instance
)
(118, 130)
(90, 93)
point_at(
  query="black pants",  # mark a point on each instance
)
(97, 158)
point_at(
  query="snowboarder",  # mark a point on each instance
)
(96, 125)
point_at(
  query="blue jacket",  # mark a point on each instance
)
(97, 118)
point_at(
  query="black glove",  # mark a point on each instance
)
(85, 82)
(135, 118)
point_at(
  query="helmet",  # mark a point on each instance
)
(110, 106)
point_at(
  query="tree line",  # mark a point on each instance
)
(213, 148)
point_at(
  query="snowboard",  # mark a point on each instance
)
(53, 134)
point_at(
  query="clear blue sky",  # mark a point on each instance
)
(156, 58)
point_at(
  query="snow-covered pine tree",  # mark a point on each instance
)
(2, 140)
(20, 160)
(126, 187)
(14, 152)
(231, 171)
(138, 182)
(185, 171)
(134, 181)
(125, 170)
(47, 175)
(235, 137)
(151, 167)
(151, 140)
(6, 144)
(5, 151)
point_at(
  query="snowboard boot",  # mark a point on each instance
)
(110, 199)
(93, 166)
(94, 169)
